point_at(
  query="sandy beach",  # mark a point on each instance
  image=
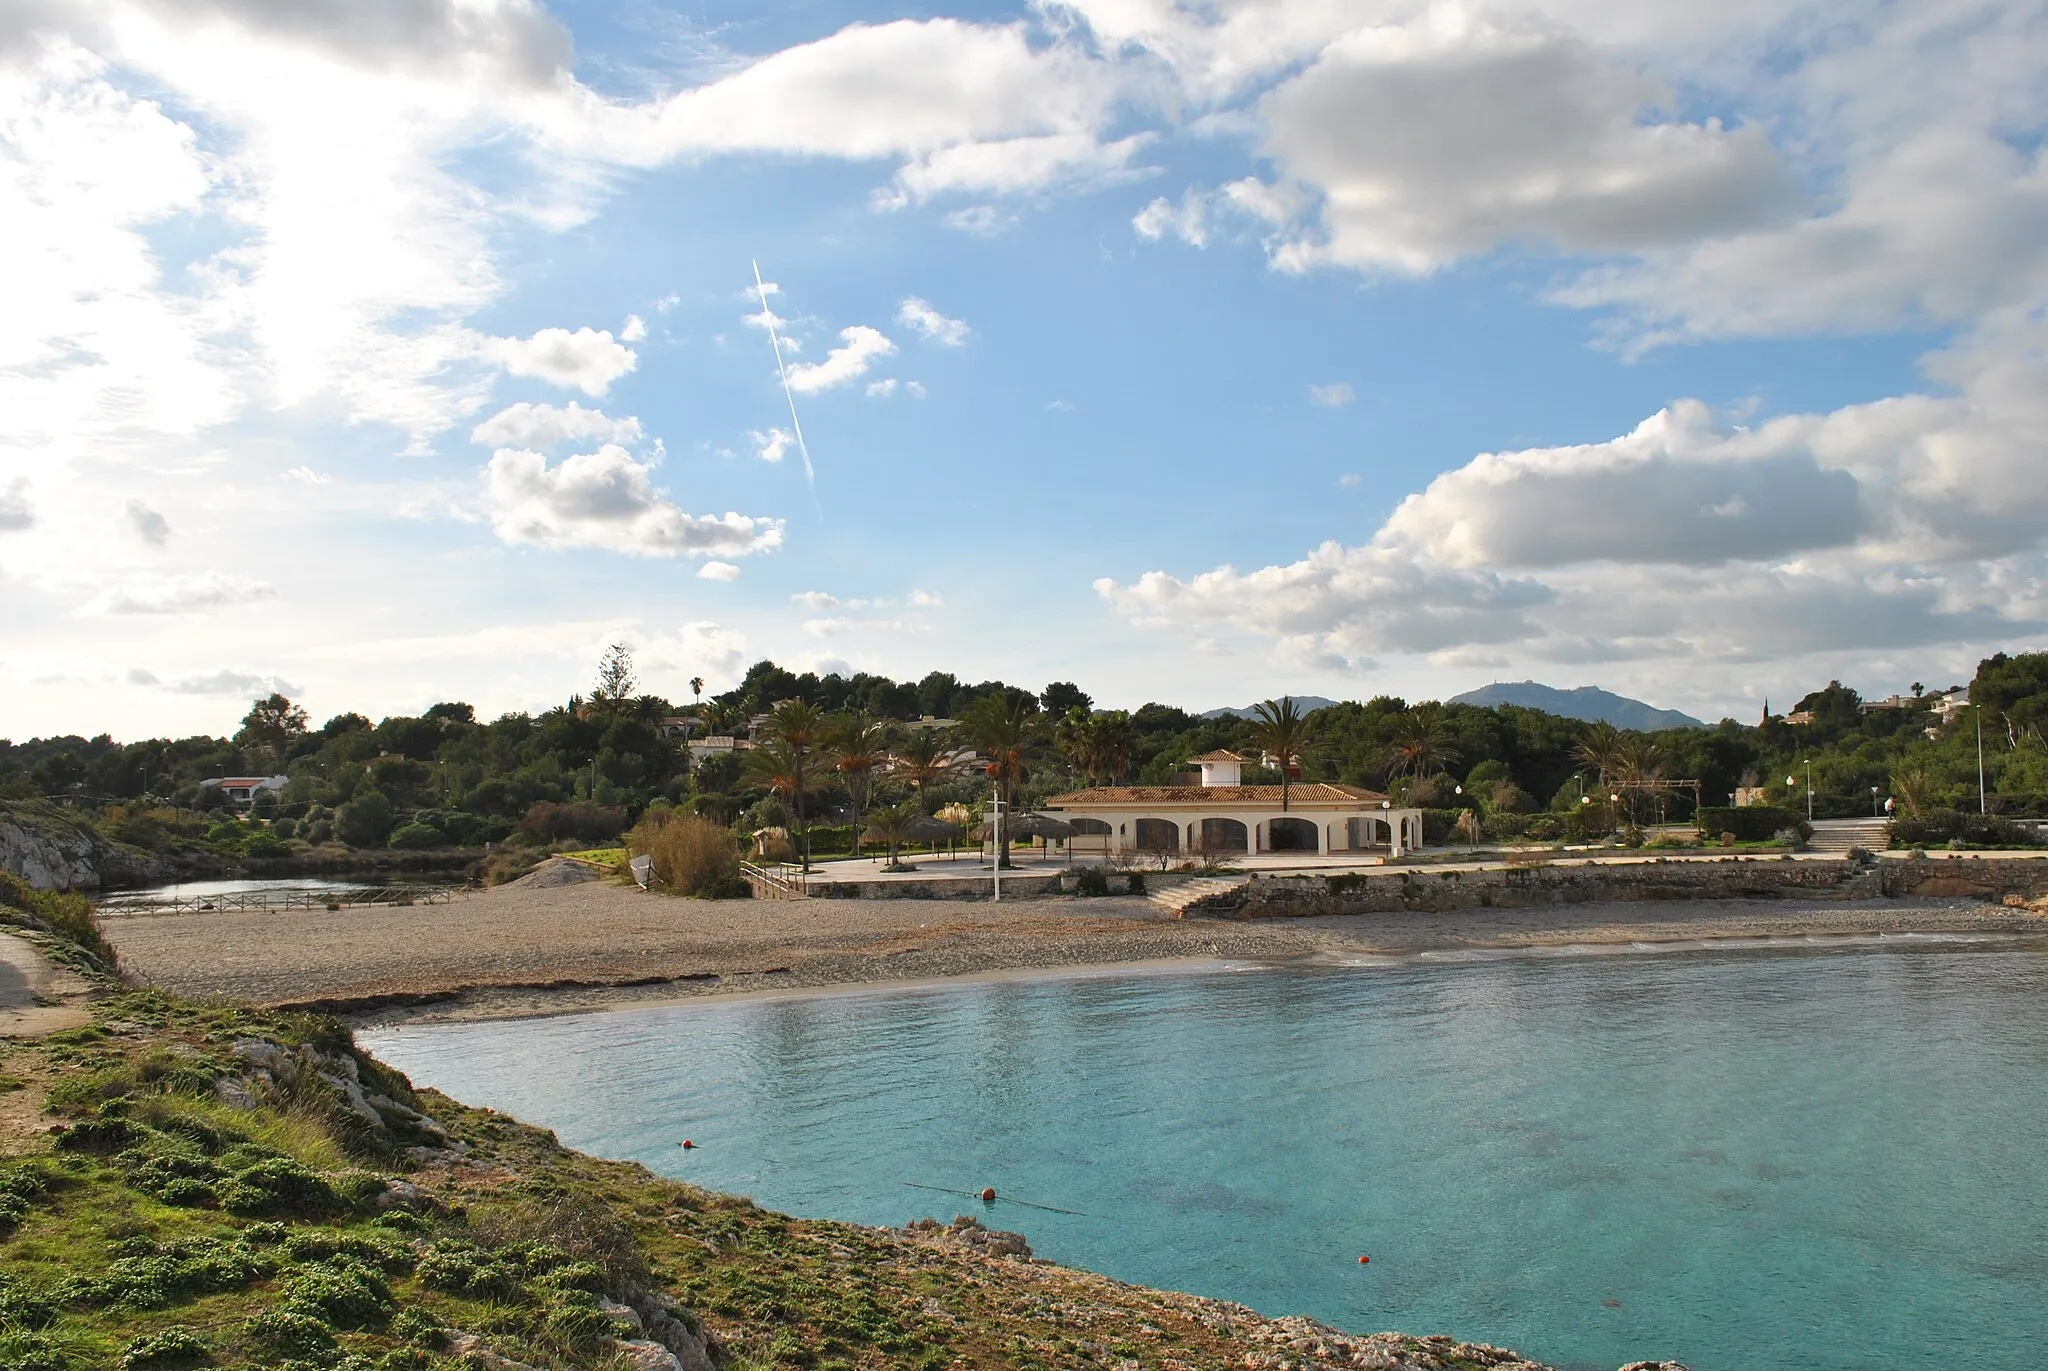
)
(515, 951)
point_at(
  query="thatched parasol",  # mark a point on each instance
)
(925, 829)
(1029, 826)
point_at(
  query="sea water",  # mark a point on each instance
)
(1815, 1157)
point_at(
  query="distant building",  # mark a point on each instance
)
(718, 745)
(1222, 815)
(1746, 795)
(683, 724)
(244, 789)
(1799, 716)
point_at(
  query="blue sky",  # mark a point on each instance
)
(1196, 350)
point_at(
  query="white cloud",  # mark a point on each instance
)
(718, 571)
(542, 426)
(667, 303)
(16, 513)
(588, 359)
(702, 648)
(1188, 220)
(1689, 543)
(834, 626)
(915, 390)
(189, 594)
(1350, 480)
(222, 682)
(918, 315)
(606, 500)
(924, 599)
(148, 525)
(635, 329)
(861, 346)
(882, 389)
(1331, 396)
(984, 221)
(307, 476)
(1011, 166)
(772, 445)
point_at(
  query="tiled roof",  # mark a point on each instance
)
(1306, 792)
(1220, 755)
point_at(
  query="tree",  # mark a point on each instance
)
(856, 744)
(615, 680)
(1099, 745)
(697, 689)
(1284, 733)
(891, 824)
(1601, 749)
(1002, 730)
(920, 761)
(273, 723)
(1421, 745)
(365, 820)
(1064, 697)
(799, 727)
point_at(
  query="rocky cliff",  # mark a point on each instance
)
(54, 850)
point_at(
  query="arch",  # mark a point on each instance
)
(1097, 827)
(1158, 835)
(1289, 834)
(1224, 835)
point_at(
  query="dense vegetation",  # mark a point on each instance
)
(832, 749)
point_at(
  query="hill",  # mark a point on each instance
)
(1307, 703)
(1589, 703)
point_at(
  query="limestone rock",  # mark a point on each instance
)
(644, 1355)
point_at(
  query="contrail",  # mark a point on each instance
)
(768, 318)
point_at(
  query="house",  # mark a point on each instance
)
(1224, 815)
(717, 745)
(244, 789)
(684, 724)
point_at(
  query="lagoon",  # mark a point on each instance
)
(1816, 1155)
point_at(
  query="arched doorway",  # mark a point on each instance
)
(1293, 835)
(1225, 835)
(1158, 835)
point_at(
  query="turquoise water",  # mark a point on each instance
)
(1772, 1158)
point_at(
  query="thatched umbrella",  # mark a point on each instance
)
(925, 829)
(1037, 826)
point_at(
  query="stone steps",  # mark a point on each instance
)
(1176, 899)
(1835, 837)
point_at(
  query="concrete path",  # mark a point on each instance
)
(36, 993)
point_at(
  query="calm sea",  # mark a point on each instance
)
(1814, 1157)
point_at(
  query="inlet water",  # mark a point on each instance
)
(1834, 1160)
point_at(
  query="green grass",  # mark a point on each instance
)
(606, 857)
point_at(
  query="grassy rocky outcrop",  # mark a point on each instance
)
(187, 1184)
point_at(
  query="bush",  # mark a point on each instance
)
(730, 886)
(318, 831)
(174, 1346)
(1134, 883)
(64, 916)
(1942, 826)
(1791, 839)
(690, 854)
(416, 836)
(279, 1186)
(1752, 823)
(1091, 880)
(1543, 829)
(551, 823)
(292, 1333)
(342, 1292)
(284, 828)
(363, 821)
(263, 843)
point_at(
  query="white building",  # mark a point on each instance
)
(243, 789)
(1224, 815)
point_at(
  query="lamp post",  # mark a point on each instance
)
(1809, 790)
(995, 809)
(1873, 802)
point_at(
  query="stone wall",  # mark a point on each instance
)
(1729, 878)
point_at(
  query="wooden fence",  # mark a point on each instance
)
(242, 901)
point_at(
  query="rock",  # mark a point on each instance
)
(1656, 1366)
(624, 1317)
(968, 1231)
(401, 1195)
(644, 1355)
(678, 1331)
(469, 1350)
(230, 1091)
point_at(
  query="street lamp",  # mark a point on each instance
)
(1873, 802)
(1809, 790)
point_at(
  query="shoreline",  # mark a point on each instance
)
(539, 952)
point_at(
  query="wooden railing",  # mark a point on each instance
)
(779, 882)
(241, 901)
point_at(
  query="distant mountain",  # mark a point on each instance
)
(1590, 703)
(1307, 704)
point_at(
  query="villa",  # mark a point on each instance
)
(1224, 815)
(243, 789)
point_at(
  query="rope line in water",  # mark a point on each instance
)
(1000, 1199)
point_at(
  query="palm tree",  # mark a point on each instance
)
(697, 689)
(856, 742)
(1601, 749)
(891, 824)
(1914, 788)
(778, 768)
(1285, 734)
(921, 760)
(1421, 745)
(1004, 732)
(799, 727)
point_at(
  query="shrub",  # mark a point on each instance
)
(318, 831)
(1091, 880)
(1942, 826)
(68, 917)
(416, 836)
(364, 820)
(547, 823)
(343, 1291)
(730, 886)
(1543, 829)
(1134, 882)
(264, 843)
(1791, 839)
(690, 853)
(1752, 823)
(174, 1346)
(285, 828)
(291, 1333)
(279, 1186)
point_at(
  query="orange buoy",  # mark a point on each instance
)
(988, 1194)
(687, 1144)
(1363, 1260)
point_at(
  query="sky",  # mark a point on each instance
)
(394, 351)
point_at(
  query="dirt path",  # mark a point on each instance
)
(37, 996)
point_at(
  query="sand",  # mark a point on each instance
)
(523, 950)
